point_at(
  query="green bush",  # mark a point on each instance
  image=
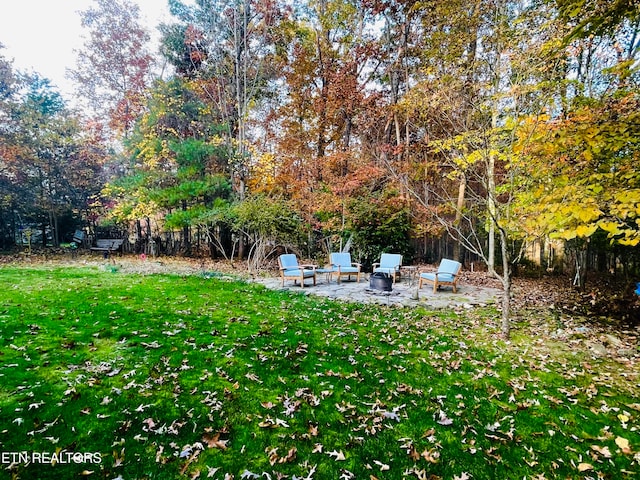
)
(379, 224)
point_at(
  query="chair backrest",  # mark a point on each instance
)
(390, 260)
(288, 260)
(449, 266)
(78, 237)
(342, 259)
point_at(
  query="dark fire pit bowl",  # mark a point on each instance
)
(380, 281)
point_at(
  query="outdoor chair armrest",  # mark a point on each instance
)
(376, 264)
(454, 275)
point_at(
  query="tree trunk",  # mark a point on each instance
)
(457, 247)
(186, 234)
(53, 223)
(491, 206)
(505, 280)
(505, 326)
(580, 278)
(491, 158)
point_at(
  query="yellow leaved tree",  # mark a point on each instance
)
(582, 173)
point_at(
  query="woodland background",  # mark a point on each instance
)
(502, 133)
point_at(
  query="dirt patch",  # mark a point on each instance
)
(130, 263)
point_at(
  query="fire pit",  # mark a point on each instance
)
(380, 281)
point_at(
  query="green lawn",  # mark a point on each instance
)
(159, 376)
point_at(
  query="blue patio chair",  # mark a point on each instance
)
(390, 264)
(447, 274)
(342, 265)
(290, 269)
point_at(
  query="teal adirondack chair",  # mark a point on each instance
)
(341, 265)
(390, 264)
(447, 274)
(290, 269)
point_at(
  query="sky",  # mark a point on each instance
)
(41, 35)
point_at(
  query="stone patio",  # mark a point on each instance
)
(404, 292)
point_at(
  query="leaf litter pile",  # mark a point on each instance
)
(169, 376)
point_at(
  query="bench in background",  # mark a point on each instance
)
(107, 246)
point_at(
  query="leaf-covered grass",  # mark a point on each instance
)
(169, 376)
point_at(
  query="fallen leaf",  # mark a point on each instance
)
(443, 419)
(150, 424)
(429, 433)
(253, 377)
(383, 466)
(211, 471)
(248, 474)
(583, 467)
(431, 456)
(604, 451)
(272, 453)
(213, 441)
(290, 456)
(273, 423)
(339, 456)
(274, 457)
(118, 459)
(623, 443)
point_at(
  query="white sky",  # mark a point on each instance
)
(40, 35)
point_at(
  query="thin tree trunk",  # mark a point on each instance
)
(580, 278)
(53, 223)
(505, 326)
(457, 247)
(491, 207)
